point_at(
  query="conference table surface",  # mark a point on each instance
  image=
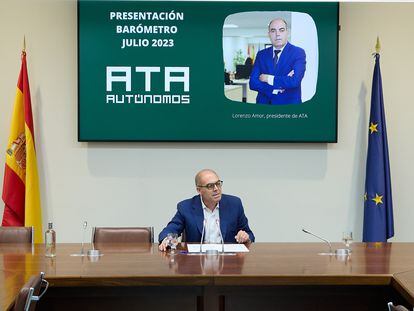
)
(390, 264)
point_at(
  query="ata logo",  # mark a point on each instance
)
(124, 75)
(142, 94)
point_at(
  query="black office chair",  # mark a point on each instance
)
(31, 293)
(123, 235)
(16, 234)
(391, 307)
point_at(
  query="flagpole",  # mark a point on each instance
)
(24, 44)
(377, 46)
(378, 211)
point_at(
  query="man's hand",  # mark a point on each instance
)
(163, 245)
(242, 237)
(264, 77)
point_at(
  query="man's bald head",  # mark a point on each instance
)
(277, 19)
(199, 176)
(278, 33)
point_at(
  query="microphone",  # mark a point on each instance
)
(221, 236)
(82, 250)
(202, 235)
(326, 241)
(85, 225)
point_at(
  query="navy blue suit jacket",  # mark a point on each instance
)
(292, 58)
(190, 216)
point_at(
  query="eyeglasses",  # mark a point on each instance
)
(210, 186)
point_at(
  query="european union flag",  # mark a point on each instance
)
(378, 215)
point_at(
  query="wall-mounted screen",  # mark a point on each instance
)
(207, 71)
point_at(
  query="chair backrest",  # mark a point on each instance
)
(391, 307)
(123, 235)
(30, 293)
(16, 234)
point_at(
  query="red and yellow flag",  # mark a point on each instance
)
(21, 193)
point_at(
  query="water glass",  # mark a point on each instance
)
(347, 238)
(172, 239)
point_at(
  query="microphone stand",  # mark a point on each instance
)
(316, 236)
(221, 236)
(82, 250)
(85, 225)
(202, 235)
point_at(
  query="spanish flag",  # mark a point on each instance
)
(21, 193)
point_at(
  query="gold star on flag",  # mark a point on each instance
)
(365, 196)
(377, 199)
(373, 127)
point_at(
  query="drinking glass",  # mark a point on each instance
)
(172, 239)
(347, 238)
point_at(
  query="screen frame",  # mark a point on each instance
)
(80, 139)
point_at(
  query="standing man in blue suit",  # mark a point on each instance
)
(278, 70)
(219, 214)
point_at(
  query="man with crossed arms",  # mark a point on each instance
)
(278, 70)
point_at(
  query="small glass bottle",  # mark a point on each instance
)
(50, 241)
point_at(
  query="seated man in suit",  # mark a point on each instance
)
(278, 70)
(219, 214)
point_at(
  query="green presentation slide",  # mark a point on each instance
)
(207, 71)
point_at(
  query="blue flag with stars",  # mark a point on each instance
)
(378, 215)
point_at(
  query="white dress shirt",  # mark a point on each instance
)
(271, 78)
(212, 229)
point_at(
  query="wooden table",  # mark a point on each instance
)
(270, 276)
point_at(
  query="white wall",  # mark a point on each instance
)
(305, 35)
(283, 186)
